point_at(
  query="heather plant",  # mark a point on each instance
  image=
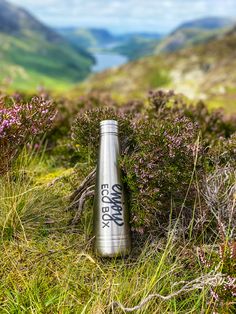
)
(224, 151)
(159, 160)
(160, 171)
(212, 123)
(180, 176)
(85, 130)
(19, 124)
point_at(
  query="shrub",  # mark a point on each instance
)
(85, 130)
(158, 159)
(19, 124)
(224, 151)
(159, 171)
(213, 124)
(167, 148)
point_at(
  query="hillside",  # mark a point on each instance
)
(193, 33)
(87, 38)
(205, 71)
(187, 34)
(32, 54)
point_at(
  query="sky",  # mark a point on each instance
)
(159, 16)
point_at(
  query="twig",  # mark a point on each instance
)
(63, 176)
(88, 192)
(77, 194)
(198, 283)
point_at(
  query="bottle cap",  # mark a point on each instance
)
(109, 126)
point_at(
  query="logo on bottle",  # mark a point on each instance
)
(112, 209)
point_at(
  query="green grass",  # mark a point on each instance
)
(31, 81)
(31, 62)
(46, 266)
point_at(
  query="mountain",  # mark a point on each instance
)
(207, 23)
(206, 71)
(16, 21)
(137, 45)
(188, 34)
(32, 54)
(87, 38)
(194, 32)
(95, 39)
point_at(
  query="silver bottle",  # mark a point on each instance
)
(111, 219)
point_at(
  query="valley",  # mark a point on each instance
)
(161, 70)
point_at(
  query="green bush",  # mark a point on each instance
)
(167, 148)
(85, 130)
(20, 122)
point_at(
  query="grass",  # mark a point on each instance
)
(46, 266)
(30, 62)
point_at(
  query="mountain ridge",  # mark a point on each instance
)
(99, 38)
(207, 23)
(195, 32)
(30, 47)
(15, 21)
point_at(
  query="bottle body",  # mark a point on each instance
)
(111, 219)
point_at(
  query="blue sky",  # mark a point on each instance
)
(126, 15)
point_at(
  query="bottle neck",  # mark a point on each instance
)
(109, 127)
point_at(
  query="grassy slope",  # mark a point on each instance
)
(203, 72)
(137, 47)
(184, 38)
(49, 267)
(32, 61)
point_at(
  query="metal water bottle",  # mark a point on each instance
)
(111, 219)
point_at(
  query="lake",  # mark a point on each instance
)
(107, 60)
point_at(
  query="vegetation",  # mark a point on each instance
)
(19, 123)
(197, 72)
(179, 169)
(33, 55)
(178, 163)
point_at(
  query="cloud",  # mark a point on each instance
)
(130, 15)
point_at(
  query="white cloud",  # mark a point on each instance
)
(149, 15)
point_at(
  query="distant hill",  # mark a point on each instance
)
(187, 34)
(16, 21)
(207, 23)
(206, 71)
(87, 38)
(32, 54)
(101, 39)
(193, 33)
(137, 45)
